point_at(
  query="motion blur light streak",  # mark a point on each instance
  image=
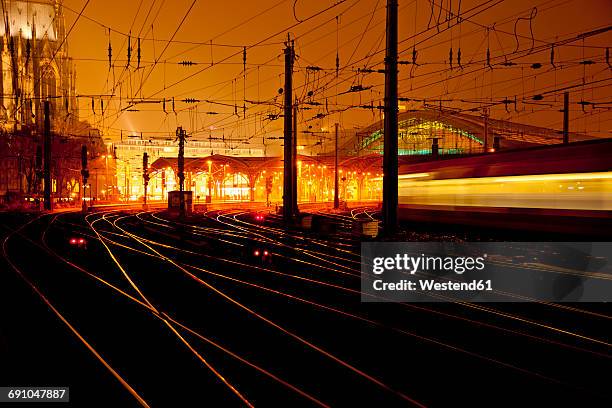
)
(531, 191)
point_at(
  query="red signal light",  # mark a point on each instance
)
(256, 253)
(81, 241)
(266, 253)
(73, 241)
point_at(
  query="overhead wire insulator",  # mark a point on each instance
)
(414, 61)
(489, 58)
(515, 105)
(93, 106)
(110, 55)
(506, 102)
(450, 58)
(139, 52)
(129, 50)
(459, 58)
(552, 56)
(583, 104)
(164, 105)
(337, 64)
(608, 57)
(358, 88)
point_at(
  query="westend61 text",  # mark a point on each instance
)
(431, 285)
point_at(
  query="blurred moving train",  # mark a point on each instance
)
(560, 188)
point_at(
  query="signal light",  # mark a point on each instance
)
(256, 253)
(265, 253)
(81, 241)
(73, 241)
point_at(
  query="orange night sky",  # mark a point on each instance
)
(355, 30)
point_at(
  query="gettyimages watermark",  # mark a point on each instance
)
(486, 272)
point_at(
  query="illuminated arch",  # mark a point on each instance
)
(457, 132)
(50, 79)
(418, 128)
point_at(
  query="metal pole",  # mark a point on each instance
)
(106, 177)
(164, 186)
(181, 169)
(485, 143)
(294, 186)
(20, 174)
(210, 181)
(145, 175)
(390, 178)
(566, 118)
(288, 133)
(47, 157)
(336, 198)
(84, 176)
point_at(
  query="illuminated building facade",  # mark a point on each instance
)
(243, 179)
(129, 164)
(35, 65)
